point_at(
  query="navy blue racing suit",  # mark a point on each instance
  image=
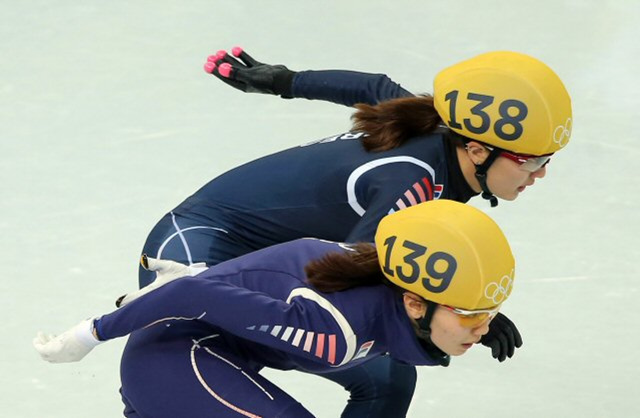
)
(330, 188)
(198, 343)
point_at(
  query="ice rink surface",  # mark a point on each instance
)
(108, 121)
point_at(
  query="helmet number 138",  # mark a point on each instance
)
(439, 267)
(508, 127)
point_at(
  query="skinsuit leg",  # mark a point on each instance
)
(380, 388)
(185, 369)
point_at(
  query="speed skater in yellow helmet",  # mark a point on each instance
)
(508, 101)
(448, 253)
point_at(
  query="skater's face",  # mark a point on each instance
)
(510, 174)
(507, 179)
(451, 332)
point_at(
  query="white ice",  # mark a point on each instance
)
(107, 121)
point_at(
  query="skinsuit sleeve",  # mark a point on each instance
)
(237, 310)
(346, 87)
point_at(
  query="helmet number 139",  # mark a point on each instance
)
(509, 118)
(439, 267)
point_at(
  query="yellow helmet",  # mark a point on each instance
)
(506, 99)
(448, 253)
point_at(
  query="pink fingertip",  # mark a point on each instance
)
(212, 58)
(236, 51)
(221, 54)
(209, 67)
(225, 69)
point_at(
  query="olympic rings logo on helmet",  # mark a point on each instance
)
(562, 133)
(498, 292)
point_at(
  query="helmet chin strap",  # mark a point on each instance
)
(424, 324)
(481, 175)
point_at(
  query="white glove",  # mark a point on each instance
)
(167, 271)
(72, 345)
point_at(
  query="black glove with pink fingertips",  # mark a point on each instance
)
(244, 73)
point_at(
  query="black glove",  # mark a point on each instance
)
(248, 75)
(503, 337)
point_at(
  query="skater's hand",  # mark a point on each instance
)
(244, 73)
(70, 346)
(503, 338)
(167, 271)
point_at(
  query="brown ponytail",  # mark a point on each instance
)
(391, 123)
(343, 270)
